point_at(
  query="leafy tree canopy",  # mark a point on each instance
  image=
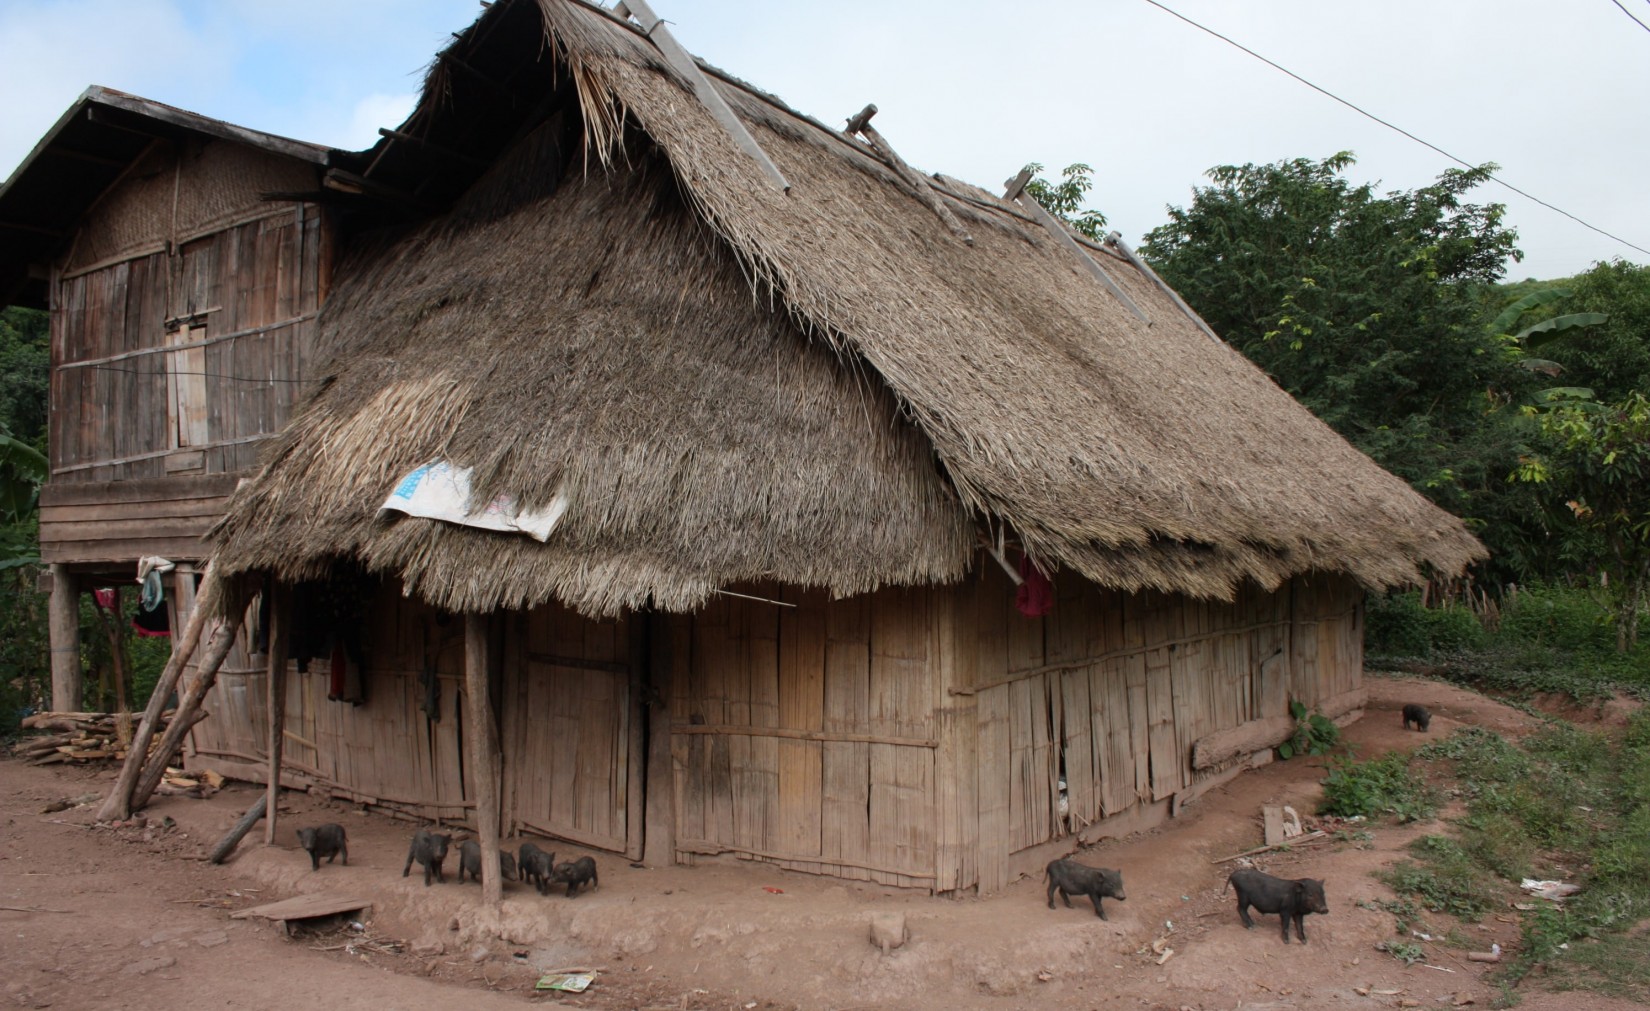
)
(1367, 307)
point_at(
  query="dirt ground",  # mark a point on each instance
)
(133, 917)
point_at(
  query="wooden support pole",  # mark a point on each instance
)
(227, 844)
(1115, 240)
(280, 633)
(1057, 228)
(687, 68)
(216, 649)
(118, 805)
(481, 733)
(659, 835)
(861, 124)
(63, 631)
(637, 637)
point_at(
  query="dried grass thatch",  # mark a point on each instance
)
(601, 342)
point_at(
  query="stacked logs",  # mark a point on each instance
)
(82, 737)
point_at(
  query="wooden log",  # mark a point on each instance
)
(227, 844)
(1223, 746)
(63, 631)
(218, 648)
(118, 805)
(687, 68)
(280, 621)
(1057, 228)
(481, 733)
(1115, 240)
(861, 124)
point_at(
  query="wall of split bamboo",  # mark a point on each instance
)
(917, 737)
(562, 701)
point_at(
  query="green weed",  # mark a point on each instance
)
(1383, 786)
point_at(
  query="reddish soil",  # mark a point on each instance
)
(133, 918)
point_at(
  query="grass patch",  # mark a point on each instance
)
(1382, 786)
(1565, 798)
(1445, 878)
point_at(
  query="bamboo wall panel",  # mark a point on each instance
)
(570, 777)
(805, 735)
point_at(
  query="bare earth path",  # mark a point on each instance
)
(143, 923)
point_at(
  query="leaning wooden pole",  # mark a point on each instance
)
(216, 649)
(280, 633)
(482, 734)
(118, 805)
(232, 838)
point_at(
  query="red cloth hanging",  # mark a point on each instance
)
(1035, 597)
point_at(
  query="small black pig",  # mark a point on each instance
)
(535, 865)
(324, 841)
(576, 873)
(1417, 715)
(1071, 878)
(430, 850)
(1278, 895)
(469, 862)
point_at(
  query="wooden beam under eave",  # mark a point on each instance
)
(485, 762)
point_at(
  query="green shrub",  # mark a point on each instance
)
(1399, 626)
(1558, 617)
(1314, 734)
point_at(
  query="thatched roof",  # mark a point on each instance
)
(823, 387)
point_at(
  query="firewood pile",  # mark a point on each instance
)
(82, 737)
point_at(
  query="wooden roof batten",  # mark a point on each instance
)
(685, 66)
(1016, 191)
(861, 124)
(1115, 240)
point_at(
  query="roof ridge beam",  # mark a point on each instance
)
(686, 67)
(1016, 191)
(925, 191)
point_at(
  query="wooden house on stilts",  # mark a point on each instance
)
(799, 507)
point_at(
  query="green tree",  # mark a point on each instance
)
(1064, 199)
(1365, 307)
(1612, 359)
(1595, 468)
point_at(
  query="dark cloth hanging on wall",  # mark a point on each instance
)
(329, 619)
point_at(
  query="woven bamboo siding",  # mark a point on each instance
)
(1110, 691)
(385, 751)
(805, 735)
(256, 285)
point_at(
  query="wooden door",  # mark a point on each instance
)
(570, 777)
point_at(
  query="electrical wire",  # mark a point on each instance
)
(1392, 126)
(1629, 13)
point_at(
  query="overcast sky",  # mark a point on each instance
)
(1555, 91)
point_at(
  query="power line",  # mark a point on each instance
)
(1395, 127)
(1629, 13)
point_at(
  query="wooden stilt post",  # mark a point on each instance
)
(118, 805)
(481, 731)
(63, 629)
(280, 632)
(216, 649)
